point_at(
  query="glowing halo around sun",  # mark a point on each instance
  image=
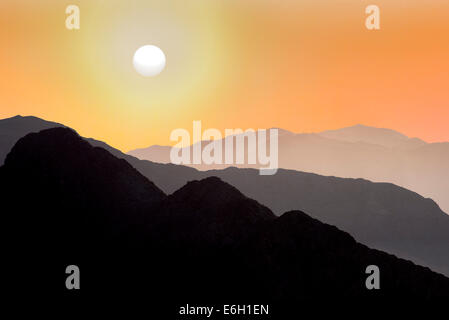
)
(149, 60)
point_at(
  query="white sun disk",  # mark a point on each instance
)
(149, 60)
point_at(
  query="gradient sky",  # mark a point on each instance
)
(300, 65)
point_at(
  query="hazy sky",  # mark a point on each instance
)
(300, 65)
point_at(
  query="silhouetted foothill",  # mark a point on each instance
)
(55, 179)
(214, 211)
(212, 193)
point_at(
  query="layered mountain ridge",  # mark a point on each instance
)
(380, 215)
(68, 202)
(376, 154)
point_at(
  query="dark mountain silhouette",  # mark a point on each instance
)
(12, 129)
(214, 211)
(70, 203)
(380, 215)
(67, 175)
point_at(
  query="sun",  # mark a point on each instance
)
(149, 60)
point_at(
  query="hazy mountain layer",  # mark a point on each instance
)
(376, 154)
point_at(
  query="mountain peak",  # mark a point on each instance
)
(283, 131)
(61, 155)
(56, 139)
(28, 119)
(366, 134)
(15, 117)
(213, 194)
(210, 186)
(12, 129)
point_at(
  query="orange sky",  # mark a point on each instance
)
(300, 65)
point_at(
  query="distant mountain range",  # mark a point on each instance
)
(66, 202)
(376, 154)
(380, 215)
